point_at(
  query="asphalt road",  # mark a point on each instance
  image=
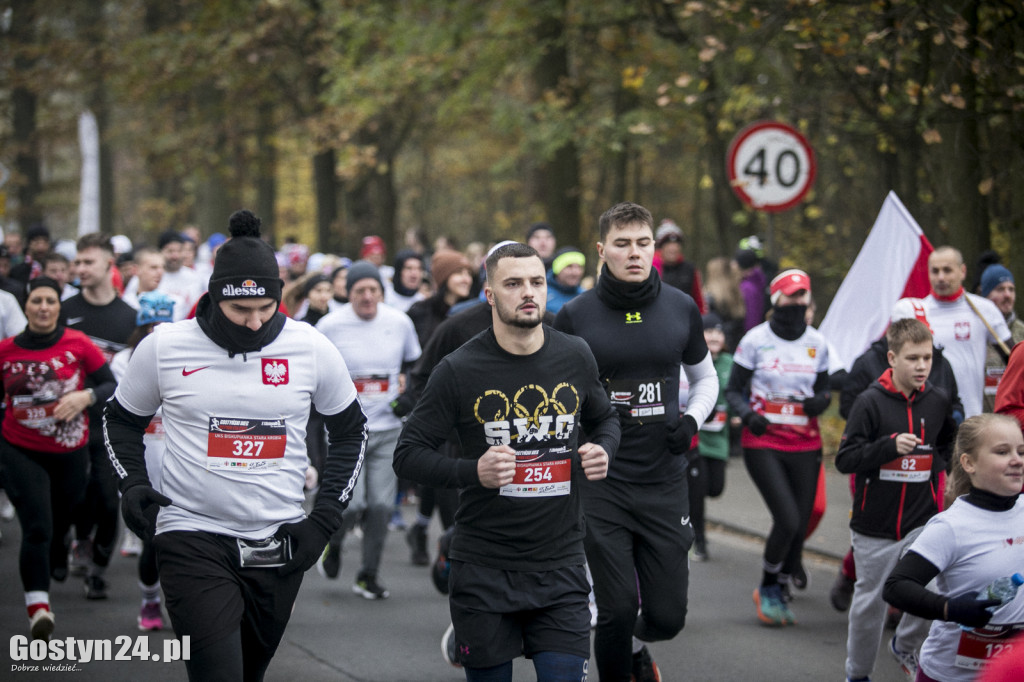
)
(336, 635)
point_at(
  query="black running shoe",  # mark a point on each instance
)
(442, 566)
(416, 537)
(644, 667)
(366, 586)
(95, 587)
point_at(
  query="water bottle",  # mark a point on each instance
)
(1004, 589)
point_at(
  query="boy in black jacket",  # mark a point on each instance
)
(898, 438)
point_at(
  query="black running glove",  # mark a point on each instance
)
(139, 507)
(817, 403)
(967, 609)
(681, 435)
(757, 423)
(308, 538)
(401, 406)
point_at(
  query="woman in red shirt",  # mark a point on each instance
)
(43, 438)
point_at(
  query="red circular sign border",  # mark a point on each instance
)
(734, 148)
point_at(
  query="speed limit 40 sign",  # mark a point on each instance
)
(771, 166)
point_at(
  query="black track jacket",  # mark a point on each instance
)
(893, 508)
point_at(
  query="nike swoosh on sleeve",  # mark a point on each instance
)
(185, 372)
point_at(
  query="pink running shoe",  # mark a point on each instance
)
(150, 617)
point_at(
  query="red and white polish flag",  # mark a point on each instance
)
(892, 264)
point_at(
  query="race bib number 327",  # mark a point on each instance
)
(245, 444)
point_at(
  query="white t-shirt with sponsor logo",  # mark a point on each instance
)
(784, 375)
(374, 351)
(964, 340)
(235, 454)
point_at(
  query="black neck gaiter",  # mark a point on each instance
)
(232, 337)
(991, 501)
(31, 340)
(620, 295)
(788, 321)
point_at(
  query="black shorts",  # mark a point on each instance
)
(209, 596)
(499, 615)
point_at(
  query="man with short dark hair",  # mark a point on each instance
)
(541, 237)
(37, 244)
(638, 519)
(108, 322)
(149, 273)
(58, 268)
(520, 395)
(178, 279)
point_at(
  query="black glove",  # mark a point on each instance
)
(757, 423)
(401, 406)
(308, 538)
(817, 403)
(681, 435)
(967, 609)
(139, 507)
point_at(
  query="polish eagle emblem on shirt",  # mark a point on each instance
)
(275, 371)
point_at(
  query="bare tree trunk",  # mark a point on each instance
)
(266, 164)
(325, 184)
(966, 211)
(556, 181)
(716, 149)
(23, 105)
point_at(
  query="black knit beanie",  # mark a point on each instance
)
(246, 266)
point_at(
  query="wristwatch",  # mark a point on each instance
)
(92, 396)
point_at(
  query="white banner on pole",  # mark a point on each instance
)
(89, 198)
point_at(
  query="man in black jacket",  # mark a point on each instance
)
(520, 396)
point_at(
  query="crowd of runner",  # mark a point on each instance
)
(561, 447)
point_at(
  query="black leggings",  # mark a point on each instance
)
(43, 487)
(788, 482)
(706, 478)
(100, 506)
(635, 541)
(445, 499)
(148, 574)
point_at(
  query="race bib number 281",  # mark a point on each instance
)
(245, 444)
